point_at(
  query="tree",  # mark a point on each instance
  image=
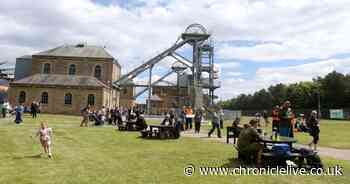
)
(334, 91)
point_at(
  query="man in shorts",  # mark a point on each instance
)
(85, 113)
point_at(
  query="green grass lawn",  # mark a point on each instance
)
(334, 133)
(104, 155)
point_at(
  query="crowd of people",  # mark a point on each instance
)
(284, 123)
(112, 116)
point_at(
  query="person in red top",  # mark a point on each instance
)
(275, 118)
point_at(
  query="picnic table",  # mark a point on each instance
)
(273, 159)
(232, 132)
(160, 131)
(280, 140)
(130, 125)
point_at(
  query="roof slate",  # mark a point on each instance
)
(77, 51)
(60, 80)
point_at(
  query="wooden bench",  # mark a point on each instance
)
(271, 158)
(160, 132)
(232, 132)
(128, 126)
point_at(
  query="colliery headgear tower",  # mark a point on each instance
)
(202, 61)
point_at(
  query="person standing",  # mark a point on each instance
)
(85, 113)
(257, 118)
(19, 112)
(215, 121)
(118, 115)
(34, 109)
(221, 115)
(275, 118)
(266, 118)
(285, 119)
(292, 122)
(198, 116)
(189, 116)
(314, 129)
(3, 109)
(183, 118)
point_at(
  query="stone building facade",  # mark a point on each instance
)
(165, 98)
(67, 78)
(127, 97)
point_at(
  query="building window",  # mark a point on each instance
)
(98, 71)
(72, 69)
(91, 99)
(68, 99)
(47, 68)
(22, 97)
(44, 98)
(125, 91)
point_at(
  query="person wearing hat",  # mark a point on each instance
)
(314, 129)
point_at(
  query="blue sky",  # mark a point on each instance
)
(257, 43)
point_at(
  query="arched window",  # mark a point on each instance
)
(91, 99)
(44, 98)
(22, 97)
(98, 71)
(72, 69)
(47, 68)
(68, 99)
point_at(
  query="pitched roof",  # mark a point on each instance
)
(60, 80)
(79, 50)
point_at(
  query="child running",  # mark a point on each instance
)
(45, 134)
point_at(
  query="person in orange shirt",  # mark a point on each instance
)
(189, 116)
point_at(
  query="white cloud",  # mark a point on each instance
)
(264, 77)
(234, 74)
(305, 29)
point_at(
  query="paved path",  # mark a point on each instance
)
(340, 154)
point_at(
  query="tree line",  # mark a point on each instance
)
(333, 90)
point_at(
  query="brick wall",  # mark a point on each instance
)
(56, 98)
(84, 66)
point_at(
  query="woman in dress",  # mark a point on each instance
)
(45, 137)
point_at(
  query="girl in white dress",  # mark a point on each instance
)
(45, 135)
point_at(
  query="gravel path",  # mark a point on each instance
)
(340, 154)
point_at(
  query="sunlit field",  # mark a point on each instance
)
(104, 155)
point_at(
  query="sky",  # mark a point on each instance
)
(257, 42)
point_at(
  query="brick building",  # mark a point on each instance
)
(127, 97)
(67, 78)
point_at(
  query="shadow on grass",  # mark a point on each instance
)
(156, 139)
(37, 156)
(232, 163)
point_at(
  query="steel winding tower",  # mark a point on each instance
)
(202, 61)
